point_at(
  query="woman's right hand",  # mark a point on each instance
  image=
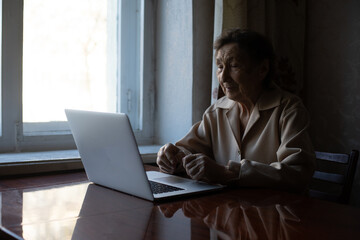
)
(169, 159)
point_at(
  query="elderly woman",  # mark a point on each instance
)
(256, 135)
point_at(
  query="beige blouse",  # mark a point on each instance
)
(275, 150)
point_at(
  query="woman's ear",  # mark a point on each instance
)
(264, 68)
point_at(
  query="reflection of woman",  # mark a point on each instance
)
(254, 136)
(236, 219)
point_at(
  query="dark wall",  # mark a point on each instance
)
(332, 77)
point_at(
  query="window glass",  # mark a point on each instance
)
(83, 54)
(69, 59)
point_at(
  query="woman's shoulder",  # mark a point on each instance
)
(275, 96)
(291, 100)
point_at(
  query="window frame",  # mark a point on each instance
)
(12, 138)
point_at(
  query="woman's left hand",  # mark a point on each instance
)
(201, 167)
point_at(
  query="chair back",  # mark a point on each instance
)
(334, 176)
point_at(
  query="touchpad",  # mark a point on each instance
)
(172, 179)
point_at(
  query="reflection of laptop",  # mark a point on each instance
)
(108, 214)
(111, 157)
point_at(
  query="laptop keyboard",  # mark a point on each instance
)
(162, 188)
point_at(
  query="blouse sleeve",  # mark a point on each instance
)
(198, 139)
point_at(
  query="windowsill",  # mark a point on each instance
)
(36, 162)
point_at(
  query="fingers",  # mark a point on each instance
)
(167, 158)
(194, 165)
(170, 152)
(169, 210)
(194, 209)
(163, 162)
(179, 156)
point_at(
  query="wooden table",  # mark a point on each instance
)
(67, 206)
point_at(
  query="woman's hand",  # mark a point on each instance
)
(169, 159)
(201, 167)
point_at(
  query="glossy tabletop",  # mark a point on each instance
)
(67, 206)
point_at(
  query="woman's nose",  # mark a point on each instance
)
(225, 75)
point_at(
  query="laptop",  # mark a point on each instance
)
(111, 158)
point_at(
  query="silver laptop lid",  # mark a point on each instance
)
(109, 151)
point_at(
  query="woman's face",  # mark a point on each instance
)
(239, 77)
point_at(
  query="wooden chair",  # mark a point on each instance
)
(334, 176)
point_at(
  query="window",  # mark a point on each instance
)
(88, 55)
(67, 65)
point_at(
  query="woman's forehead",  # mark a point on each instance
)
(230, 51)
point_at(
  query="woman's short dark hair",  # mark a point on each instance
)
(257, 46)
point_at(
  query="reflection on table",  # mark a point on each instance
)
(82, 210)
(235, 218)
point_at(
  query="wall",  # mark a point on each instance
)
(333, 77)
(203, 34)
(184, 37)
(173, 69)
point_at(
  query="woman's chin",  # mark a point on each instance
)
(233, 96)
(230, 96)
